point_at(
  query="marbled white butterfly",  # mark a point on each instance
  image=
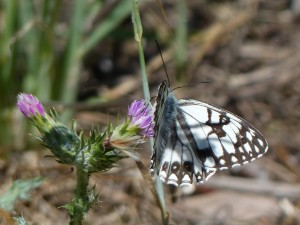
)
(194, 139)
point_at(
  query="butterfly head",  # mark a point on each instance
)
(163, 91)
(163, 94)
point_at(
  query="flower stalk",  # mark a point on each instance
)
(157, 188)
(138, 34)
(81, 199)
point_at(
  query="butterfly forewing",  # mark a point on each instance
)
(226, 139)
(194, 139)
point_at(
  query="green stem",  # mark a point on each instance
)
(143, 71)
(138, 34)
(81, 201)
(181, 39)
(157, 189)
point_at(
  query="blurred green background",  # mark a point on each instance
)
(42, 46)
(81, 58)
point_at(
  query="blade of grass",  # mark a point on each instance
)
(68, 74)
(7, 57)
(92, 11)
(6, 51)
(157, 188)
(76, 49)
(181, 39)
(111, 21)
(45, 54)
(39, 46)
(138, 33)
(35, 51)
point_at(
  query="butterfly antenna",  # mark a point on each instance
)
(158, 47)
(192, 85)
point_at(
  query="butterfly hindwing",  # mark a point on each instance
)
(194, 139)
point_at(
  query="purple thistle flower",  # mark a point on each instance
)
(30, 106)
(141, 115)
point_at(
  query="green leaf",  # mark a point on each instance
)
(19, 190)
(20, 220)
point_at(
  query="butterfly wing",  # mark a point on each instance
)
(218, 138)
(194, 139)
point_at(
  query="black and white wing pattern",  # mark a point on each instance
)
(193, 139)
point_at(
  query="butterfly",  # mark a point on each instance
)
(193, 139)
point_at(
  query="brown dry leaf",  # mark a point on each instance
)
(6, 218)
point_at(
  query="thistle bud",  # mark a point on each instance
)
(62, 141)
(30, 106)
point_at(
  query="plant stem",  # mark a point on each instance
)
(181, 39)
(156, 189)
(81, 200)
(143, 71)
(138, 34)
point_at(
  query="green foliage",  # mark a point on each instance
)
(41, 53)
(63, 143)
(19, 190)
(81, 206)
(97, 157)
(20, 220)
(180, 54)
(97, 153)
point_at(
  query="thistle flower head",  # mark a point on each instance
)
(141, 116)
(133, 130)
(30, 106)
(62, 141)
